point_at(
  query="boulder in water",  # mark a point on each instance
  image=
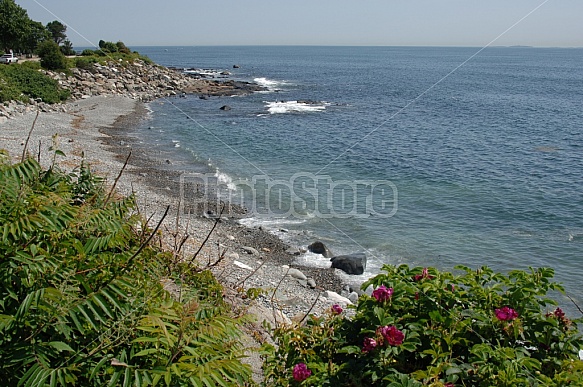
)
(320, 248)
(353, 264)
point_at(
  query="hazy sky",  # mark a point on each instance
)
(316, 22)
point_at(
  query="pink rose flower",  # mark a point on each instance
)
(369, 344)
(505, 314)
(424, 274)
(336, 309)
(382, 293)
(559, 313)
(301, 372)
(392, 335)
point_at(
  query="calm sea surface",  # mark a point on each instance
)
(483, 162)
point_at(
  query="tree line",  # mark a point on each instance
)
(21, 34)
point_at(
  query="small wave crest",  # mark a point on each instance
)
(205, 73)
(270, 84)
(281, 107)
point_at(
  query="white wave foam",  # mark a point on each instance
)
(223, 178)
(272, 223)
(313, 260)
(205, 72)
(270, 84)
(281, 107)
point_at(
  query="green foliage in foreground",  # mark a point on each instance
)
(425, 327)
(24, 81)
(81, 302)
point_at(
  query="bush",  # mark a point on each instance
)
(82, 302)
(425, 327)
(107, 46)
(85, 63)
(24, 81)
(51, 57)
(88, 52)
(8, 91)
(122, 48)
(67, 48)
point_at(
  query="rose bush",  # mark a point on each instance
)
(421, 326)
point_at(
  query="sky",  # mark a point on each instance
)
(543, 23)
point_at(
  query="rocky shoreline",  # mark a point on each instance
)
(110, 98)
(137, 80)
(253, 257)
(94, 127)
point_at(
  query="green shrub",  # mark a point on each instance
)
(122, 48)
(25, 81)
(88, 52)
(51, 57)
(8, 91)
(107, 46)
(85, 63)
(67, 48)
(81, 299)
(425, 327)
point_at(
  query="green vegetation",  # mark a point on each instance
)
(25, 81)
(23, 35)
(425, 327)
(51, 57)
(67, 48)
(81, 298)
(57, 30)
(107, 46)
(15, 26)
(124, 54)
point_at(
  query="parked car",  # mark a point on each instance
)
(8, 58)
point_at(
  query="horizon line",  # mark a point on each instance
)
(343, 45)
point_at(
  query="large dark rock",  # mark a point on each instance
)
(225, 107)
(350, 263)
(320, 248)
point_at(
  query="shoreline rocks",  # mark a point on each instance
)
(353, 264)
(320, 248)
(136, 80)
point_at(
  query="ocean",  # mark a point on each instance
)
(428, 156)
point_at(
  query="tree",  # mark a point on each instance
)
(67, 48)
(37, 34)
(14, 25)
(51, 57)
(57, 31)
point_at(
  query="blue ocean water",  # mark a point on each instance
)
(481, 156)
